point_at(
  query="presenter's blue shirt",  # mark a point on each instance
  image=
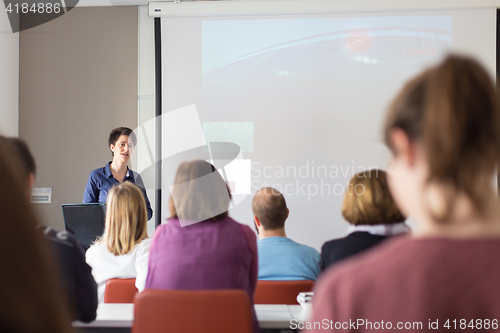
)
(283, 259)
(101, 181)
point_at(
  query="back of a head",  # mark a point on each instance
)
(126, 218)
(368, 200)
(23, 153)
(452, 112)
(199, 193)
(30, 299)
(269, 206)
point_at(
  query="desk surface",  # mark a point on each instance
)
(122, 315)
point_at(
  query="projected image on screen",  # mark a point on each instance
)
(301, 99)
(315, 91)
(240, 133)
(376, 40)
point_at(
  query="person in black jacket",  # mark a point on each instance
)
(76, 281)
(369, 208)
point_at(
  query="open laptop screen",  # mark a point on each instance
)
(86, 221)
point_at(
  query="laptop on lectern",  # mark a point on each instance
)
(86, 221)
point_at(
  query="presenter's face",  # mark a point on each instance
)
(122, 148)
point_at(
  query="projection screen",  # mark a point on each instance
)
(299, 100)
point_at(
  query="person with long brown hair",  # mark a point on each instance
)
(123, 250)
(30, 300)
(200, 246)
(443, 129)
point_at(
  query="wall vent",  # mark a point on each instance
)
(41, 195)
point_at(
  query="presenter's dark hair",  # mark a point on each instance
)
(117, 132)
(21, 150)
(451, 111)
(31, 301)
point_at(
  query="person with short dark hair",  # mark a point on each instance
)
(374, 217)
(280, 258)
(122, 141)
(76, 279)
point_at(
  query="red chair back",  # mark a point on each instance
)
(280, 292)
(192, 311)
(120, 291)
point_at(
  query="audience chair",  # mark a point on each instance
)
(280, 292)
(192, 311)
(120, 291)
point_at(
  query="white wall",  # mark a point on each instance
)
(77, 81)
(9, 78)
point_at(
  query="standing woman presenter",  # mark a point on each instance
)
(121, 143)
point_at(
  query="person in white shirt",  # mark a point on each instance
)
(123, 250)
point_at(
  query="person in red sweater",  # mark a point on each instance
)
(443, 129)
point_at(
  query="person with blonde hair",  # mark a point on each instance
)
(200, 246)
(443, 129)
(374, 217)
(30, 299)
(122, 252)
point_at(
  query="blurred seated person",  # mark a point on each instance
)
(31, 300)
(122, 252)
(76, 280)
(200, 246)
(443, 129)
(369, 208)
(280, 258)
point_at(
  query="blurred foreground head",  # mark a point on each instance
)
(20, 150)
(30, 300)
(444, 131)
